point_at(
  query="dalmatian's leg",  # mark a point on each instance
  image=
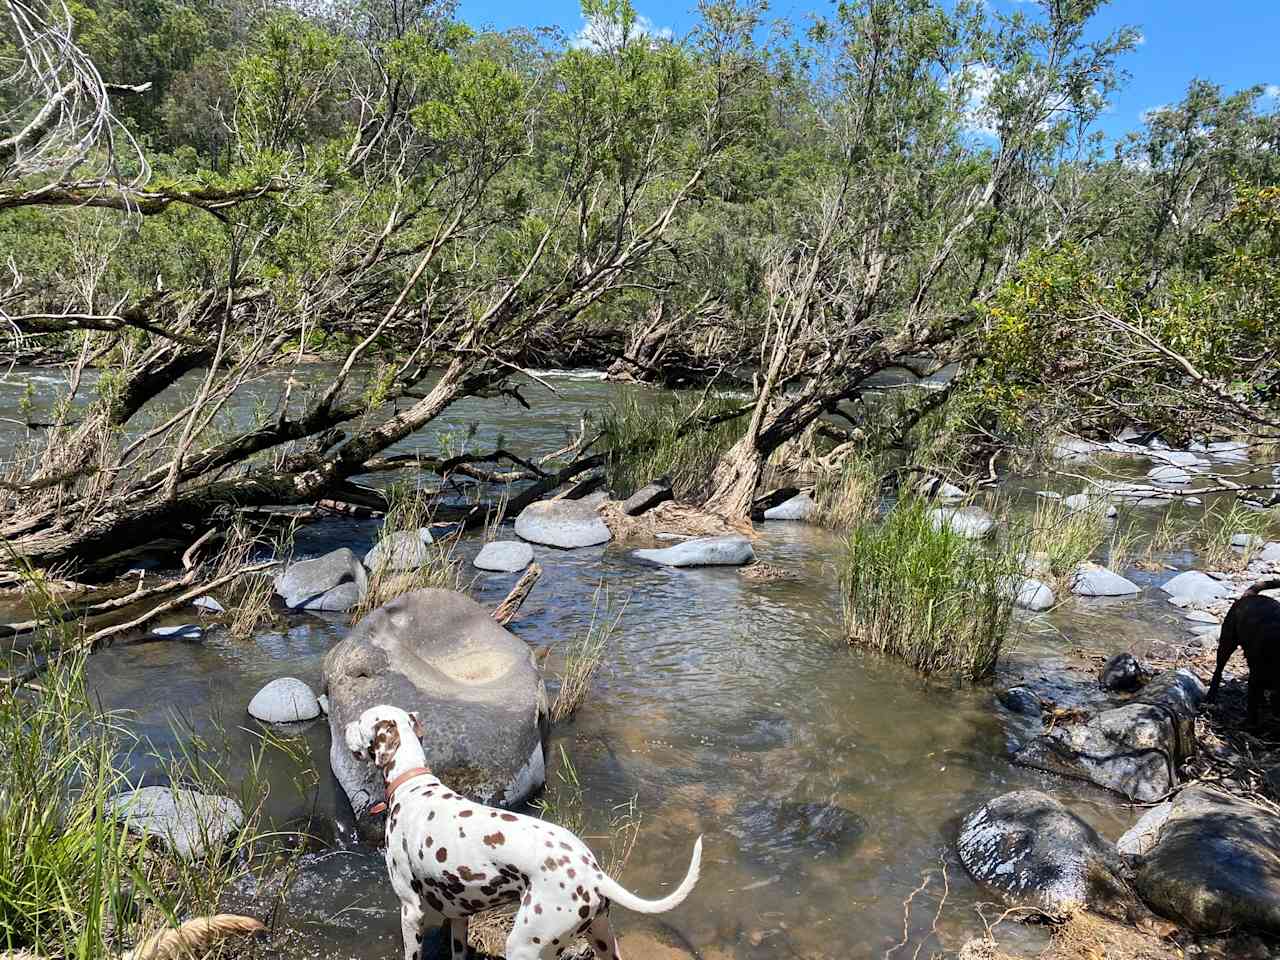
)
(458, 938)
(603, 942)
(416, 922)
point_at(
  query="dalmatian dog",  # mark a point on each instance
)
(450, 858)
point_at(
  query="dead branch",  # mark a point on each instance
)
(511, 604)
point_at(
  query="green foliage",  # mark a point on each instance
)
(916, 590)
(644, 440)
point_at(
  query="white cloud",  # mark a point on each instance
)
(977, 81)
(1139, 39)
(1146, 115)
(599, 34)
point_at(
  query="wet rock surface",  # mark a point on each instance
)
(475, 685)
(336, 582)
(504, 556)
(1134, 749)
(566, 524)
(731, 551)
(1032, 850)
(1214, 863)
(194, 825)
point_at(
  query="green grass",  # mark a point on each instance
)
(1219, 524)
(925, 595)
(644, 440)
(1059, 539)
(849, 496)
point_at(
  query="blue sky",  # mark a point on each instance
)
(1234, 43)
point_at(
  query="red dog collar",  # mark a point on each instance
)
(394, 785)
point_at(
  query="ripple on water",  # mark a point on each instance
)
(788, 833)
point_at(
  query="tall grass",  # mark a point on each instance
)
(1218, 526)
(848, 496)
(646, 440)
(1060, 539)
(585, 655)
(926, 595)
(407, 513)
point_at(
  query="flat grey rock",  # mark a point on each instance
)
(647, 497)
(1169, 474)
(1229, 451)
(504, 556)
(194, 825)
(1270, 553)
(1134, 749)
(1092, 580)
(475, 685)
(702, 552)
(404, 550)
(1048, 495)
(1034, 852)
(799, 507)
(284, 700)
(972, 523)
(336, 581)
(1202, 616)
(208, 604)
(566, 524)
(1214, 863)
(1246, 540)
(1196, 587)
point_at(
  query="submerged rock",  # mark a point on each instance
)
(1034, 851)
(194, 825)
(1196, 587)
(405, 550)
(648, 497)
(504, 556)
(475, 685)
(733, 551)
(1093, 580)
(1169, 474)
(284, 700)
(566, 524)
(799, 507)
(1020, 700)
(1122, 672)
(336, 581)
(1134, 749)
(972, 523)
(1079, 502)
(1214, 863)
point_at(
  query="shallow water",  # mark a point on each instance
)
(828, 783)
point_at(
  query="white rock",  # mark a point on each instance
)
(1201, 616)
(1034, 595)
(284, 700)
(406, 550)
(1181, 602)
(504, 556)
(1270, 553)
(1246, 540)
(185, 631)
(1048, 495)
(1196, 587)
(1092, 580)
(1229, 451)
(1178, 458)
(562, 523)
(1082, 501)
(1072, 448)
(972, 523)
(944, 493)
(208, 603)
(799, 507)
(193, 824)
(703, 552)
(1171, 475)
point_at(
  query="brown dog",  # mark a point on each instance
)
(1253, 622)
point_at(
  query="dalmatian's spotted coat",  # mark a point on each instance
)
(450, 858)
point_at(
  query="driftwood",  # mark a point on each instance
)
(511, 604)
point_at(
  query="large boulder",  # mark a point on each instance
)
(504, 556)
(562, 523)
(1093, 580)
(1134, 749)
(404, 550)
(480, 696)
(972, 523)
(799, 507)
(732, 551)
(284, 700)
(192, 824)
(1197, 587)
(1214, 863)
(336, 581)
(1032, 850)
(648, 497)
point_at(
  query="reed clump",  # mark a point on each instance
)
(919, 591)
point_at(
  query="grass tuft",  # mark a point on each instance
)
(409, 511)
(584, 657)
(926, 595)
(848, 496)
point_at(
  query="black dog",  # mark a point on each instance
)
(1253, 622)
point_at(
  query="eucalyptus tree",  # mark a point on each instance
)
(396, 194)
(947, 129)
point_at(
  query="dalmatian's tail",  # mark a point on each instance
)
(620, 895)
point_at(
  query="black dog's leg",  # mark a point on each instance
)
(1257, 690)
(1226, 647)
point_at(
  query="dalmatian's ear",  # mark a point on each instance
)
(419, 730)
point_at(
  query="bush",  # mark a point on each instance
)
(922, 593)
